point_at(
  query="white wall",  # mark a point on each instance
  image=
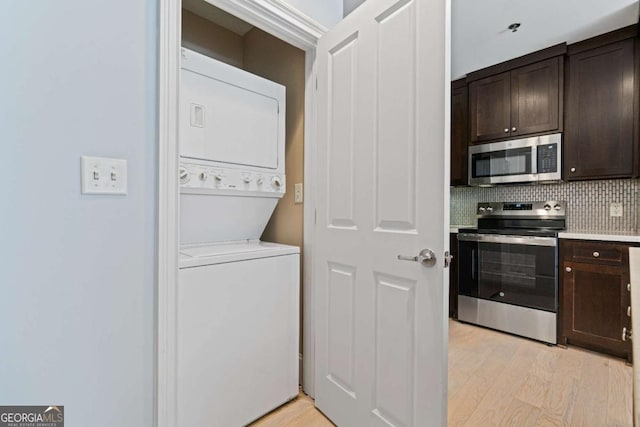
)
(350, 5)
(77, 272)
(326, 12)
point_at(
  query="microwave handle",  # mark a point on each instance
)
(534, 159)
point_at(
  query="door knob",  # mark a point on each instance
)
(506, 130)
(513, 129)
(568, 269)
(626, 334)
(426, 257)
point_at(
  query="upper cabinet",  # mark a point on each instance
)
(459, 132)
(522, 101)
(601, 138)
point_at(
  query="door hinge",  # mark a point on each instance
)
(447, 259)
(315, 216)
(316, 83)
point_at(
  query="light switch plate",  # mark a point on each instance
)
(101, 175)
(615, 209)
(297, 193)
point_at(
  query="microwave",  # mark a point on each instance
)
(534, 159)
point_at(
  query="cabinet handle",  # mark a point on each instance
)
(626, 334)
(573, 169)
(568, 269)
(513, 129)
(506, 130)
(629, 311)
(628, 287)
(596, 254)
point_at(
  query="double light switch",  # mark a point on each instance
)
(102, 175)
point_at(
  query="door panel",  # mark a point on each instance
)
(342, 92)
(394, 336)
(383, 91)
(341, 335)
(395, 171)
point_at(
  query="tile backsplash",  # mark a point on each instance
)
(587, 202)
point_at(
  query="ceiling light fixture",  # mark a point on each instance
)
(514, 27)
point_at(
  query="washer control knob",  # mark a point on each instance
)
(276, 182)
(218, 177)
(184, 175)
(203, 176)
(260, 180)
(247, 179)
(547, 207)
(489, 209)
(557, 207)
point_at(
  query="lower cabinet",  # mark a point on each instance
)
(453, 276)
(594, 296)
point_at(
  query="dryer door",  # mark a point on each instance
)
(228, 115)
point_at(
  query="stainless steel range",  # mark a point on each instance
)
(508, 268)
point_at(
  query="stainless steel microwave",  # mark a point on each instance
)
(534, 159)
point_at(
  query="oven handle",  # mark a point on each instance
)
(511, 240)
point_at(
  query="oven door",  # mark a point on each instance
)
(518, 270)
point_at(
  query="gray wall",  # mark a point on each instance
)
(77, 272)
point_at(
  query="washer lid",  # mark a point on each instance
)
(200, 255)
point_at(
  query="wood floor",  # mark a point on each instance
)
(496, 379)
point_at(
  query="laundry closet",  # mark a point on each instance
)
(241, 141)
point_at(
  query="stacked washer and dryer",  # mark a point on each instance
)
(238, 297)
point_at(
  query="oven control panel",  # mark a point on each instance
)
(542, 209)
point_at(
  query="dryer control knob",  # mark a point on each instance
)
(218, 177)
(276, 182)
(247, 179)
(260, 180)
(184, 175)
(203, 176)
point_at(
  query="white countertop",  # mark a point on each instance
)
(610, 236)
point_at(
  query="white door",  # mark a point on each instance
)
(381, 322)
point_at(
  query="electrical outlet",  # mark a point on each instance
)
(615, 209)
(101, 175)
(297, 193)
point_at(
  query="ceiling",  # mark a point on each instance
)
(480, 37)
(217, 16)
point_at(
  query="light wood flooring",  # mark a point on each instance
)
(496, 379)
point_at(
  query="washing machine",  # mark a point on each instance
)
(238, 297)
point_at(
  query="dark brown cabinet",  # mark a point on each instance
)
(490, 108)
(524, 101)
(459, 132)
(453, 276)
(595, 299)
(601, 138)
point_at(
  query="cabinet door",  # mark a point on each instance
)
(595, 301)
(535, 98)
(490, 108)
(459, 135)
(599, 138)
